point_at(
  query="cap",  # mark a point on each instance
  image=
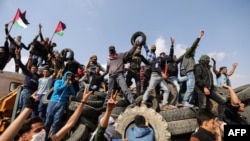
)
(46, 67)
(111, 48)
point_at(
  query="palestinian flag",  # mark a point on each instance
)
(20, 20)
(59, 29)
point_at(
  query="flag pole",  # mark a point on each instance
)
(52, 37)
(11, 25)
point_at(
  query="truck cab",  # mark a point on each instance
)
(10, 86)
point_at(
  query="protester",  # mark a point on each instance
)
(204, 86)
(44, 85)
(150, 56)
(30, 83)
(222, 76)
(233, 109)
(115, 69)
(141, 131)
(4, 54)
(15, 43)
(157, 77)
(188, 64)
(63, 88)
(134, 69)
(209, 128)
(33, 129)
(106, 128)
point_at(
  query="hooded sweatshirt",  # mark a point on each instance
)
(62, 90)
(136, 133)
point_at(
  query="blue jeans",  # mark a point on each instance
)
(38, 60)
(41, 109)
(55, 111)
(25, 94)
(190, 86)
(120, 81)
(156, 79)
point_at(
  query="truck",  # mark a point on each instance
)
(10, 85)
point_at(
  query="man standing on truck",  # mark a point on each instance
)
(30, 83)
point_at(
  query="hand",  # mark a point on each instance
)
(201, 33)
(31, 101)
(68, 82)
(213, 60)
(172, 40)
(235, 65)
(86, 94)
(137, 43)
(206, 91)
(112, 101)
(40, 26)
(6, 25)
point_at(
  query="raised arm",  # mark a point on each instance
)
(16, 125)
(110, 105)
(190, 51)
(171, 52)
(73, 118)
(216, 72)
(233, 69)
(233, 97)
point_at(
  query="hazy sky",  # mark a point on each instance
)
(94, 25)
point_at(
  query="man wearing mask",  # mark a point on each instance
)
(150, 56)
(115, 69)
(134, 69)
(204, 86)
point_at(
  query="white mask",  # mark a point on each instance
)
(39, 136)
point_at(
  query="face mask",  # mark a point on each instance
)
(39, 136)
(137, 52)
(153, 50)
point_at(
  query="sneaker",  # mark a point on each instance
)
(186, 104)
(168, 107)
(179, 105)
(143, 104)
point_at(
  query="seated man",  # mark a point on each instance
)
(141, 131)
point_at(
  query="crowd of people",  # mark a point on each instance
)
(46, 69)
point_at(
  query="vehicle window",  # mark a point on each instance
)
(13, 86)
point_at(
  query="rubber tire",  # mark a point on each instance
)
(88, 111)
(240, 88)
(136, 35)
(80, 133)
(244, 95)
(64, 53)
(156, 121)
(246, 113)
(152, 102)
(47, 96)
(117, 111)
(182, 126)
(178, 114)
